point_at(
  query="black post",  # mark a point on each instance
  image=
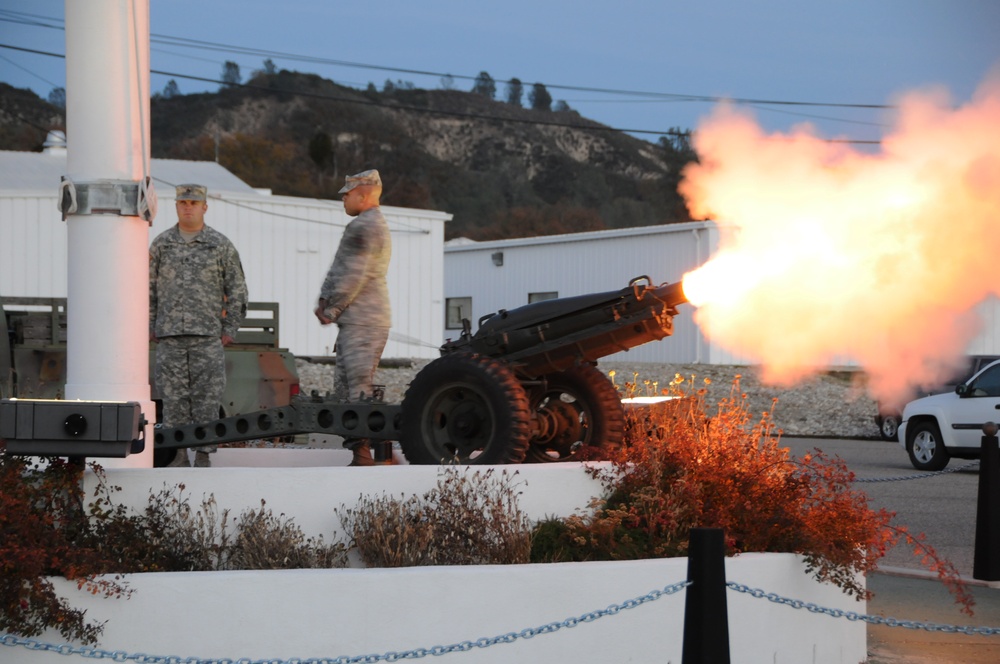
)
(706, 622)
(986, 564)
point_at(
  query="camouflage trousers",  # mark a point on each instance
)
(190, 376)
(358, 350)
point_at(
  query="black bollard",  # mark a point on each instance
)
(986, 564)
(706, 620)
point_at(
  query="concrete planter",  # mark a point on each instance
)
(351, 612)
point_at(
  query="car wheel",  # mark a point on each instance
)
(889, 427)
(925, 447)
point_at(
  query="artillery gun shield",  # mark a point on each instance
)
(467, 408)
(580, 416)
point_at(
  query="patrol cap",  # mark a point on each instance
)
(191, 192)
(363, 178)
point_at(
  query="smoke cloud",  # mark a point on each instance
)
(828, 253)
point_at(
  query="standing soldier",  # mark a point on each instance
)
(356, 297)
(197, 301)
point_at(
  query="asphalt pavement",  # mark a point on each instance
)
(941, 506)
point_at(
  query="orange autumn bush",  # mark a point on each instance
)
(687, 464)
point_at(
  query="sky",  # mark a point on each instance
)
(641, 65)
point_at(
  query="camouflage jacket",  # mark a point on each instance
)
(195, 287)
(355, 289)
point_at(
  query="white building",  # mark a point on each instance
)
(286, 245)
(484, 277)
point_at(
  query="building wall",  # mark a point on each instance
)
(582, 263)
(286, 245)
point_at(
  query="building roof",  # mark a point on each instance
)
(34, 171)
(464, 244)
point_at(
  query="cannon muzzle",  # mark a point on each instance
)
(553, 335)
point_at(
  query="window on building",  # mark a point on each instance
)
(541, 297)
(457, 308)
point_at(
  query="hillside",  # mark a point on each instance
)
(501, 170)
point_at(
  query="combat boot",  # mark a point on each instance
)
(180, 460)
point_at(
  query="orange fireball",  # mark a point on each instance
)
(828, 254)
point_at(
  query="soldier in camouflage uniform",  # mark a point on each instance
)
(356, 297)
(197, 301)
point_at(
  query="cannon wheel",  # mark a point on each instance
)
(581, 412)
(467, 408)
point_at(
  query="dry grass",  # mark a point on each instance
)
(265, 541)
(471, 517)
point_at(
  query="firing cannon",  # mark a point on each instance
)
(526, 385)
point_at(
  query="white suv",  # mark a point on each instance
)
(939, 427)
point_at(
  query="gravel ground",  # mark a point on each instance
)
(829, 405)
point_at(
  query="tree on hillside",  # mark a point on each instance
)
(539, 98)
(321, 149)
(485, 85)
(561, 106)
(171, 89)
(515, 90)
(58, 97)
(447, 82)
(269, 67)
(677, 149)
(231, 74)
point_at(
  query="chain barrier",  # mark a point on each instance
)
(917, 476)
(464, 646)
(510, 637)
(854, 616)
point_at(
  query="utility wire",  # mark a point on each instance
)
(26, 70)
(417, 109)
(402, 228)
(242, 50)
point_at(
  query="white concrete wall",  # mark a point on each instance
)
(351, 612)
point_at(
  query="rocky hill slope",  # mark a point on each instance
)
(502, 170)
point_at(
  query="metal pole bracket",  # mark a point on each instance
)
(125, 198)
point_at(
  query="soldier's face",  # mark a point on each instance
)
(353, 201)
(191, 214)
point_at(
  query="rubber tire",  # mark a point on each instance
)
(465, 408)
(584, 393)
(925, 447)
(889, 428)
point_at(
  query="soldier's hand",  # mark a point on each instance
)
(226, 340)
(322, 316)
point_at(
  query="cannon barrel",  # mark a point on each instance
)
(553, 335)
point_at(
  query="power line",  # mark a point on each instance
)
(243, 50)
(416, 109)
(402, 228)
(28, 71)
(369, 102)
